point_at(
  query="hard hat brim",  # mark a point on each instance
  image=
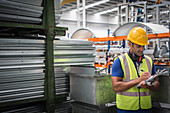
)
(142, 44)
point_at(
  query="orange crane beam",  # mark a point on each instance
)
(119, 38)
(67, 1)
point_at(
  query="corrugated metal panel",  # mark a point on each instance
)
(70, 52)
(21, 69)
(29, 11)
(32, 2)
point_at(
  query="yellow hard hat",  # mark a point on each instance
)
(138, 36)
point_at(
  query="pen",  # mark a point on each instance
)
(142, 70)
(138, 84)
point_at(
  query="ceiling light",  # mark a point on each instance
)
(107, 11)
(110, 10)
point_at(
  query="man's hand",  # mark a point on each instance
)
(143, 84)
(155, 86)
(144, 76)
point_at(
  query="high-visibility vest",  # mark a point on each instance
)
(134, 98)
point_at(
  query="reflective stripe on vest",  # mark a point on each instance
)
(134, 94)
(148, 63)
(126, 68)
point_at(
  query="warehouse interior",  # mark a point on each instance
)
(56, 56)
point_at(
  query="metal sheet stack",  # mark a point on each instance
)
(64, 107)
(25, 109)
(70, 52)
(22, 11)
(101, 54)
(21, 69)
(91, 89)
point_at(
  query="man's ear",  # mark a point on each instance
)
(130, 44)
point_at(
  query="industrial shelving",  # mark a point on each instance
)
(159, 14)
(144, 12)
(121, 38)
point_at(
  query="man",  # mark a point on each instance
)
(131, 69)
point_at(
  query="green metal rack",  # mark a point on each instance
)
(49, 30)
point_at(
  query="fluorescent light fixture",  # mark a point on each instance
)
(96, 3)
(110, 10)
(92, 5)
(149, 15)
(107, 11)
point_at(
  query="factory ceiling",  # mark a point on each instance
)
(102, 5)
